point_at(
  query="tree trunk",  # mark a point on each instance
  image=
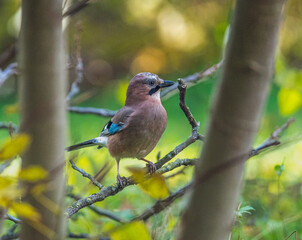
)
(42, 91)
(234, 120)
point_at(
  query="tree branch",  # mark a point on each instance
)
(160, 205)
(85, 236)
(90, 110)
(163, 204)
(191, 80)
(86, 175)
(75, 8)
(11, 127)
(273, 139)
(75, 85)
(11, 218)
(114, 188)
(6, 73)
(99, 211)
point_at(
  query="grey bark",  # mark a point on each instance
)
(42, 99)
(234, 120)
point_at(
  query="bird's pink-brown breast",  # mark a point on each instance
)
(147, 124)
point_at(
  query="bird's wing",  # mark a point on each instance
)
(118, 122)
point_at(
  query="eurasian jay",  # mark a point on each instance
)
(137, 127)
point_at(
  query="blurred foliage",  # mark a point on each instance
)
(173, 39)
(155, 185)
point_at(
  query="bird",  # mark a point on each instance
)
(136, 128)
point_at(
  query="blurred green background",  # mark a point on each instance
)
(116, 40)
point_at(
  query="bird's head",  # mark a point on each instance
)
(145, 85)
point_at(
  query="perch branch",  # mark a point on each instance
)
(114, 189)
(194, 134)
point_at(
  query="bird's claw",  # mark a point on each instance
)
(152, 168)
(121, 181)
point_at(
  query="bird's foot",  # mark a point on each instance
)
(121, 181)
(150, 165)
(152, 168)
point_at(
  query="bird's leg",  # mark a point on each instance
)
(120, 180)
(151, 166)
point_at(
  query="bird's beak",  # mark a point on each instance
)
(166, 84)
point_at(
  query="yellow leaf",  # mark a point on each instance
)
(9, 191)
(38, 189)
(25, 210)
(33, 173)
(155, 185)
(12, 109)
(15, 146)
(138, 174)
(6, 182)
(134, 231)
(290, 100)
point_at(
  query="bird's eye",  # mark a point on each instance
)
(152, 82)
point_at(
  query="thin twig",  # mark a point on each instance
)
(191, 80)
(294, 232)
(86, 236)
(273, 139)
(75, 85)
(75, 89)
(10, 236)
(6, 73)
(194, 134)
(76, 7)
(86, 175)
(11, 127)
(181, 171)
(90, 110)
(165, 94)
(99, 211)
(160, 205)
(11, 218)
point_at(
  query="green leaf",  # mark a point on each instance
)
(279, 169)
(244, 210)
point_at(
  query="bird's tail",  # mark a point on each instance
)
(99, 141)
